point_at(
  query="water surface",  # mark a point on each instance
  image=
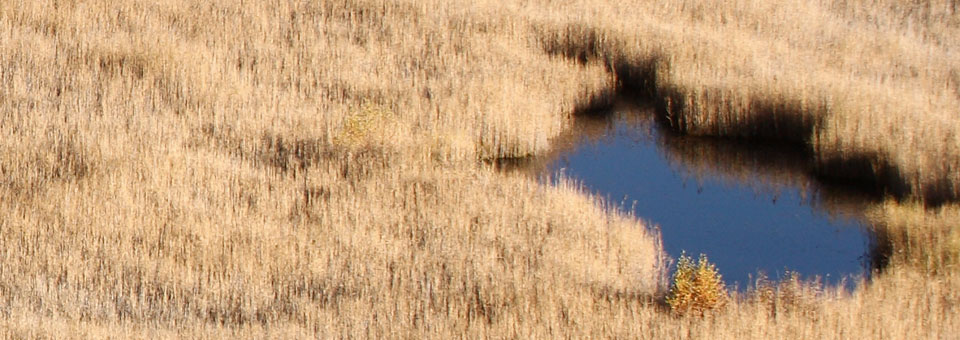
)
(751, 208)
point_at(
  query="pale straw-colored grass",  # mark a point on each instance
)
(185, 168)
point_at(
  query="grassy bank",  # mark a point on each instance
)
(283, 168)
(870, 88)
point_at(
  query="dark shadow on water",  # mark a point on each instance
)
(751, 207)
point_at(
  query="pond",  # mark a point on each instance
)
(751, 208)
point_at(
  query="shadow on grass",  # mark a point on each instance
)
(727, 113)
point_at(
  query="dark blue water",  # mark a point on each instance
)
(749, 208)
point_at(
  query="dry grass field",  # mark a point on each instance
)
(290, 169)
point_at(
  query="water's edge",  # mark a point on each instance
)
(751, 207)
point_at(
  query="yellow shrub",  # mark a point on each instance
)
(697, 287)
(371, 123)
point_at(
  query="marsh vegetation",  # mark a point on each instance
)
(184, 168)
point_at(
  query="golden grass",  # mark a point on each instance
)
(874, 101)
(185, 168)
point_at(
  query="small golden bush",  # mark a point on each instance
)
(369, 122)
(697, 287)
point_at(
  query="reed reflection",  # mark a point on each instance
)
(752, 207)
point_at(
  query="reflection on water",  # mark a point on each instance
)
(750, 207)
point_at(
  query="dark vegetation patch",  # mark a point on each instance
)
(725, 113)
(293, 156)
(58, 160)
